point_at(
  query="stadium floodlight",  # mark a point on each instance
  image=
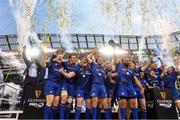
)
(48, 50)
(109, 50)
(32, 52)
(119, 51)
(138, 52)
(106, 50)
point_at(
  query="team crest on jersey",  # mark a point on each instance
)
(93, 94)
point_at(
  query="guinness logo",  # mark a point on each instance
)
(37, 93)
(163, 94)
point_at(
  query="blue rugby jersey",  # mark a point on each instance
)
(143, 81)
(69, 68)
(53, 72)
(155, 81)
(84, 76)
(98, 73)
(125, 74)
(171, 80)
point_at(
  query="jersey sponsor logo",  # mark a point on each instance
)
(56, 70)
(93, 94)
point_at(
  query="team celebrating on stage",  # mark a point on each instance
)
(101, 83)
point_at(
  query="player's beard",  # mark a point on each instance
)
(126, 64)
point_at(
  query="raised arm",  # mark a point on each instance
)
(146, 66)
(151, 57)
(24, 56)
(90, 57)
(44, 59)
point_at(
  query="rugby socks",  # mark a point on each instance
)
(67, 112)
(98, 113)
(53, 112)
(77, 113)
(47, 112)
(107, 114)
(143, 113)
(134, 113)
(123, 113)
(88, 113)
(94, 113)
(110, 112)
(61, 111)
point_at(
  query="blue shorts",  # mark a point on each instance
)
(127, 91)
(69, 88)
(98, 90)
(52, 88)
(83, 93)
(175, 93)
(139, 94)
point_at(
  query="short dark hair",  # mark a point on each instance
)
(173, 68)
(70, 56)
(53, 56)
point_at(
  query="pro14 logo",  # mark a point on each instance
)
(36, 105)
(166, 105)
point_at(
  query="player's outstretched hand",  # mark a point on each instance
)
(61, 70)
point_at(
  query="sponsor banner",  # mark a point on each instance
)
(34, 103)
(160, 103)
